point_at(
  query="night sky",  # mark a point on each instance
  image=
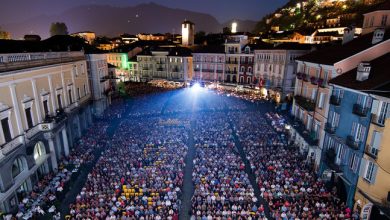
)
(20, 10)
(21, 17)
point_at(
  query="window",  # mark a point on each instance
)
(384, 20)
(6, 130)
(70, 96)
(334, 119)
(375, 143)
(85, 89)
(372, 21)
(309, 121)
(313, 94)
(45, 107)
(358, 131)
(354, 162)
(322, 100)
(341, 150)
(78, 93)
(59, 101)
(370, 172)
(29, 120)
(364, 101)
(383, 113)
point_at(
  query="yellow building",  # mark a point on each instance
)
(44, 107)
(373, 188)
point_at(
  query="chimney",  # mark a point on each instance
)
(349, 34)
(378, 35)
(363, 71)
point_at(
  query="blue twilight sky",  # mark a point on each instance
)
(224, 10)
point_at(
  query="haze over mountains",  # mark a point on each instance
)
(112, 21)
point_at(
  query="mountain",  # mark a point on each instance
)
(112, 21)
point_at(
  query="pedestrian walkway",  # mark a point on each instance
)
(251, 175)
(188, 185)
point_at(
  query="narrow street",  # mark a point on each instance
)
(251, 175)
(188, 185)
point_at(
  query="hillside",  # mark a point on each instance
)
(112, 21)
(311, 14)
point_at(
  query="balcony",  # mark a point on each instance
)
(30, 133)
(302, 76)
(360, 110)
(309, 136)
(352, 143)
(330, 128)
(10, 146)
(335, 100)
(160, 69)
(330, 156)
(371, 151)
(71, 107)
(305, 103)
(378, 120)
(219, 71)
(231, 62)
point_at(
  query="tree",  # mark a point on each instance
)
(58, 28)
(226, 30)
(200, 37)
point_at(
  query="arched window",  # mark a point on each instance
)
(39, 150)
(18, 166)
(242, 69)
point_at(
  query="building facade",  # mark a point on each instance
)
(275, 67)
(312, 92)
(170, 63)
(233, 49)
(100, 82)
(209, 64)
(44, 109)
(379, 18)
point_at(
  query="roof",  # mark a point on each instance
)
(53, 44)
(335, 53)
(328, 33)
(260, 45)
(209, 49)
(293, 46)
(380, 7)
(180, 52)
(378, 80)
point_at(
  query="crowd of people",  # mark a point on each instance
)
(222, 187)
(285, 177)
(138, 150)
(140, 176)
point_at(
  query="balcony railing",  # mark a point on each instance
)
(360, 110)
(309, 136)
(30, 133)
(71, 107)
(9, 146)
(378, 120)
(371, 151)
(352, 142)
(305, 103)
(331, 129)
(231, 62)
(219, 71)
(335, 100)
(330, 156)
